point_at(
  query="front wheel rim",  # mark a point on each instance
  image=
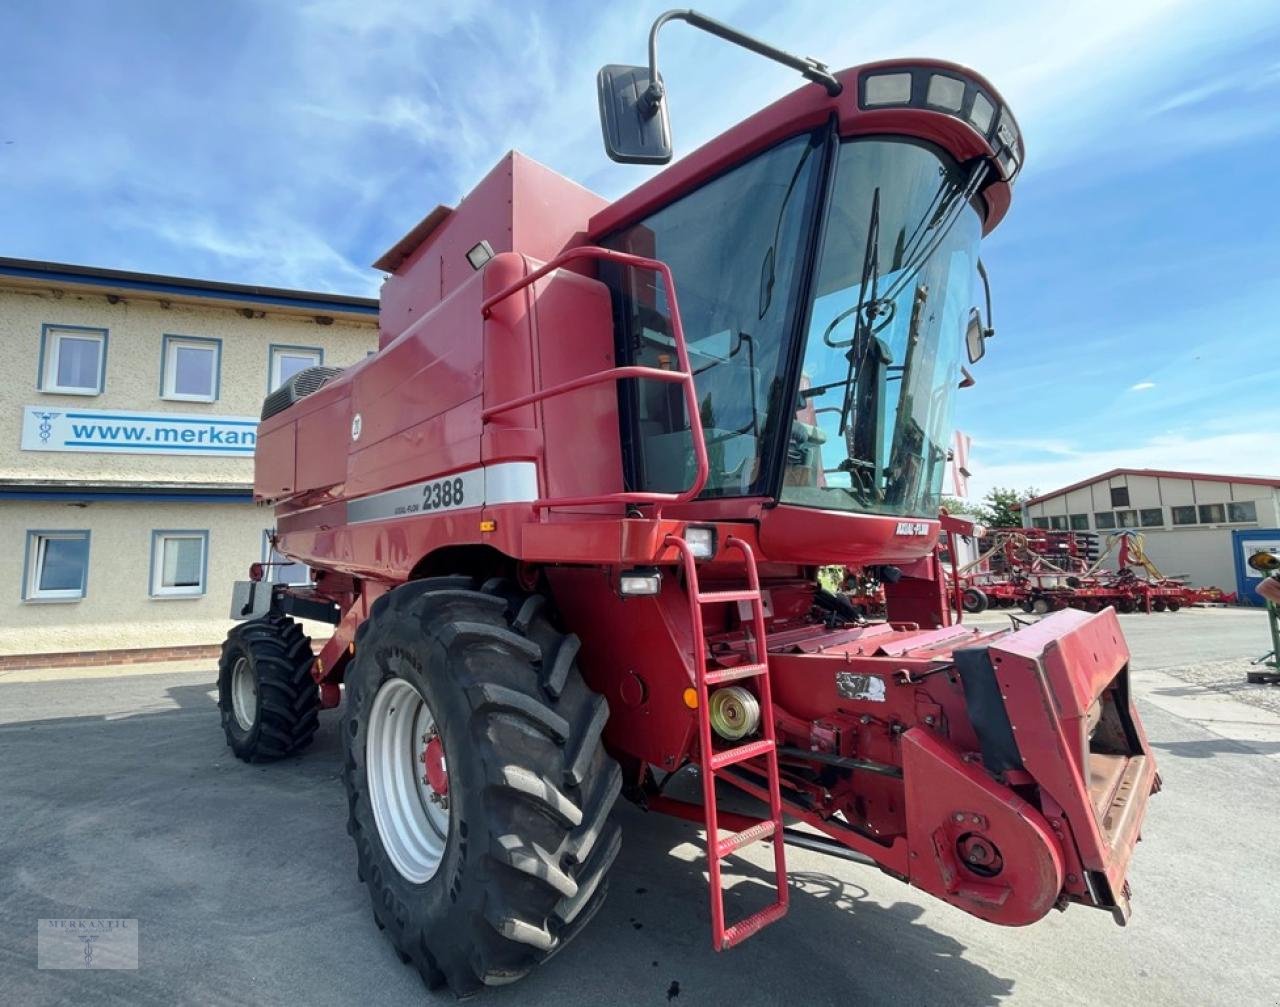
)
(244, 694)
(411, 815)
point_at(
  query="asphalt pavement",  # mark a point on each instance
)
(119, 799)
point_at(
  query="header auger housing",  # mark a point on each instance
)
(565, 524)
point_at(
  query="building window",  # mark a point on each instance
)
(1152, 517)
(1039, 522)
(1242, 512)
(1213, 514)
(1119, 496)
(282, 569)
(1127, 518)
(286, 361)
(57, 566)
(1183, 515)
(73, 359)
(179, 563)
(1104, 519)
(191, 369)
(1079, 522)
(1058, 522)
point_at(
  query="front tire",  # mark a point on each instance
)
(526, 841)
(269, 702)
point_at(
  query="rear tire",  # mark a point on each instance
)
(975, 601)
(269, 702)
(529, 840)
(1040, 606)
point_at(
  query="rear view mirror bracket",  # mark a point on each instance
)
(633, 114)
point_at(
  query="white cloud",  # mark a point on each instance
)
(1142, 386)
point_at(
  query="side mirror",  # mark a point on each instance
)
(636, 127)
(975, 337)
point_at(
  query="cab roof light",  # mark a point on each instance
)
(946, 93)
(952, 93)
(886, 89)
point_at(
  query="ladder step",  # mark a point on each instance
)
(708, 597)
(753, 924)
(716, 676)
(735, 842)
(719, 760)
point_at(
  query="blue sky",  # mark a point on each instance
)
(1137, 277)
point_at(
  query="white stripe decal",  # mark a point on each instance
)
(507, 482)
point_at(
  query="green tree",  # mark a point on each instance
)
(1001, 506)
(955, 505)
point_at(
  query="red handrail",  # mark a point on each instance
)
(684, 376)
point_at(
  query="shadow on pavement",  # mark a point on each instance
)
(243, 880)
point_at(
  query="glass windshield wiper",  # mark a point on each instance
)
(862, 328)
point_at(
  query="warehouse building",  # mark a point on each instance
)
(1196, 526)
(127, 424)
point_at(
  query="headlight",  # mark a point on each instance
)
(639, 582)
(701, 541)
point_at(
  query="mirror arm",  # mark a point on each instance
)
(810, 68)
(990, 330)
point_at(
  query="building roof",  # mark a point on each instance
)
(27, 272)
(1158, 474)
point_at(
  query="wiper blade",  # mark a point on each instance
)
(862, 334)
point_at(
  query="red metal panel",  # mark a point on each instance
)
(1050, 675)
(805, 535)
(319, 466)
(418, 400)
(636, 652)
(520, 206)
(273, 460)
(950, 801)
(583, 453)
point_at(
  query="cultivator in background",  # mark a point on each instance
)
(1043, 571)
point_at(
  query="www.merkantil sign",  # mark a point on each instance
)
(134, 432)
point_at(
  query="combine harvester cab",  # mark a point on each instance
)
(567, 523)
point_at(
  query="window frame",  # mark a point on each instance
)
(1105, 520)
(1200, 509)
(1242, 520)
(1041, 522)
(169, 345)
(1059, 522)
(270, 575)
(276, 350)
(1120, 519)
(33, 563)
(1123, 502)
(1079, 522)
(51, 334)
(1142, 517)
(156, 590)
(1173, 515)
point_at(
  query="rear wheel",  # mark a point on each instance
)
(478, 788)
(1040, 606)
(269, 702)
(1173, 604)
(975, 601)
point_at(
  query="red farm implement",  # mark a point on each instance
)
(566, 526)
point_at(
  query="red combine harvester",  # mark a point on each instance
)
(566, 529)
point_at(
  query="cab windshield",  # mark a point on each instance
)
(858, 417)
(886, 328)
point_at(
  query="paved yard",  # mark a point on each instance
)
(118, 799)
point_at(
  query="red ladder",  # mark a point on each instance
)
(713, 762)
